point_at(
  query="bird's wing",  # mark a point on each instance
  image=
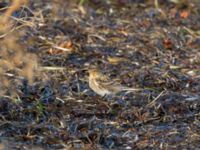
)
(112, 86)
(106, 81)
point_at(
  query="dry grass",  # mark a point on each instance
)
(13, 57)
(131, 42)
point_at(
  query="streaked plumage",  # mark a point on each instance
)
(103, 86)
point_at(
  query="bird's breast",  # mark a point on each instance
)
(96, 87)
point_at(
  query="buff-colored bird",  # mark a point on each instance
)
(103, 86)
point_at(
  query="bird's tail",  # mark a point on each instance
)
(131, 89)
(136, 89)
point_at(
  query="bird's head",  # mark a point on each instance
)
(93, 72)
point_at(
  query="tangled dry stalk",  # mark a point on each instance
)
(15, 62)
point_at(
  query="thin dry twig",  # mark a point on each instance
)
(52, 68)
(61, 48)
(54, 45)
(155, 99)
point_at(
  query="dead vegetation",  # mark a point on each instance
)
(152, 45)
(15, 63)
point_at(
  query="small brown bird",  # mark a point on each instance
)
(103, 86)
